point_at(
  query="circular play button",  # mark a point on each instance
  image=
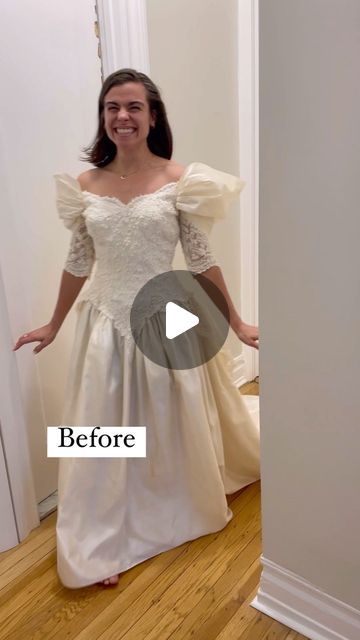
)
(179, 320)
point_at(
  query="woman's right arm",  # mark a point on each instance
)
(70, 287)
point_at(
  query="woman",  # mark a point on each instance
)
(126, 216)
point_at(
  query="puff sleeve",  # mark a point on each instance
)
(203, 196)
(70, 205)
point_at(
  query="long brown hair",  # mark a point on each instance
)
(160, 141)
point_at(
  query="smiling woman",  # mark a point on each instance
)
(114, 107)
(114, 513)
(127, 114)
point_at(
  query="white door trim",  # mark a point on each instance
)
(248, 98)
(17, 486)
(123, 34)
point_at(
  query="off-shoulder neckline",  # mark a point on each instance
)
(132, 200)
(140, 196)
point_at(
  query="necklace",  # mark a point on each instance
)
(123, 176)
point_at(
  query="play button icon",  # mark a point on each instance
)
(178, 320)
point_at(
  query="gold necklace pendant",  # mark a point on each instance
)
(122, 177)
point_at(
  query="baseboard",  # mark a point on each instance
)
(293, 601)
(47, 506)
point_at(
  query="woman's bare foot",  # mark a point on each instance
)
(110, 581)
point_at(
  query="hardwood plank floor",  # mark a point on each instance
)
(200, 590)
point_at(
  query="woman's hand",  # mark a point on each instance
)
(45, 335)
(248, 334)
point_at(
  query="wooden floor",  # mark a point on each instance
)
(200, 590)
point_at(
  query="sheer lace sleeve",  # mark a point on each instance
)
(81, 256)
(70, 205)
(195, 245)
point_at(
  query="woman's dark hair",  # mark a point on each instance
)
(160, 140)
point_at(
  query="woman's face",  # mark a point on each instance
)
(127, 117)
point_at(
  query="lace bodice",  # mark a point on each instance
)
(122, 246)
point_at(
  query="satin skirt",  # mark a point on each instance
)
(202, 442)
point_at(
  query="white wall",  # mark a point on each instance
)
(309, 290)
(193, 60)
(51, 78)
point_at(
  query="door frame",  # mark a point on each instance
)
(17, 492)
(248, 100)
(123, 35)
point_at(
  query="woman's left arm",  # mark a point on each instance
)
(245, 332)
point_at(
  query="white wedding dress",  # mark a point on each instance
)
(202, 441)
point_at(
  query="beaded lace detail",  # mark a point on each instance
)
(81, 256)
(132, 243)
(195, 245)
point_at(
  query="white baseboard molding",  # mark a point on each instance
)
(293, 601)
(239, 371)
